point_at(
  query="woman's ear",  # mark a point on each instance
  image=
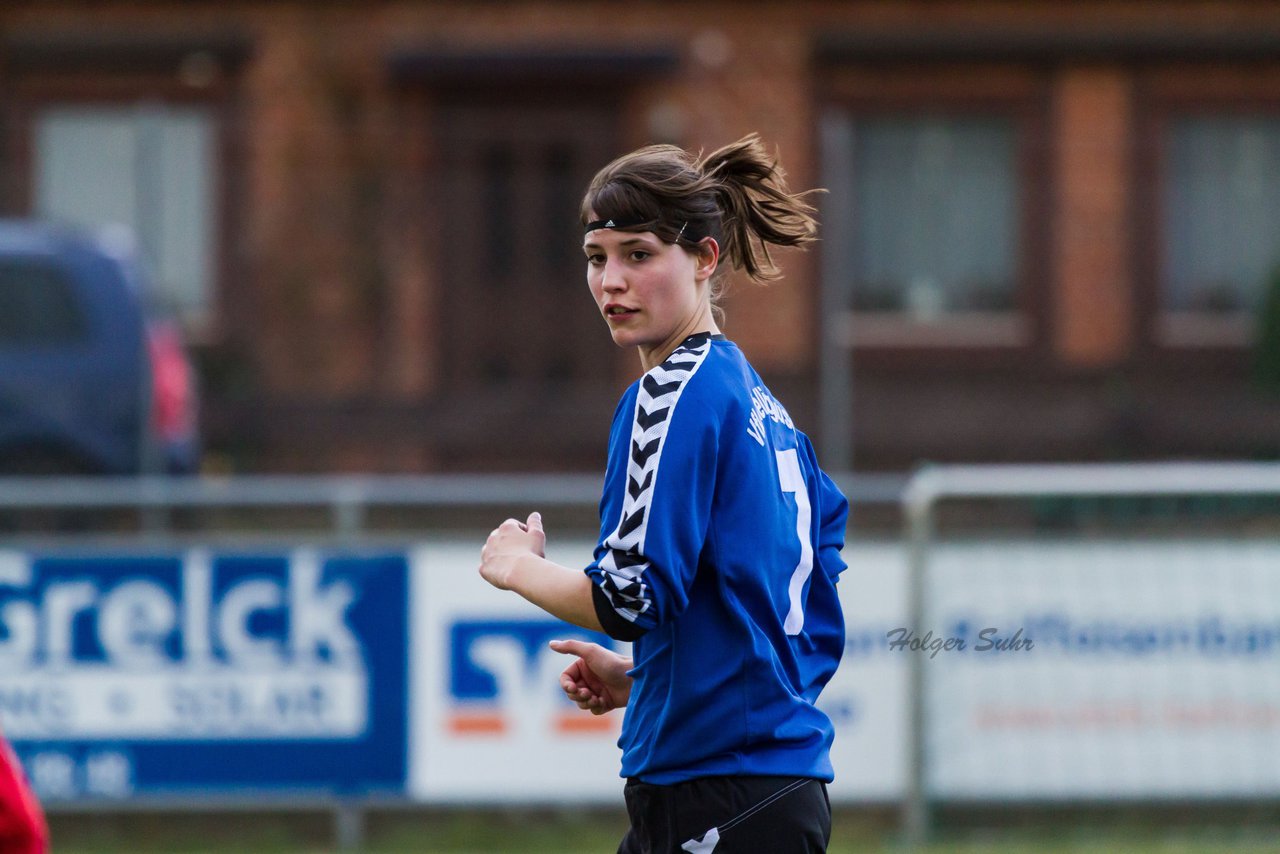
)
(706, 259)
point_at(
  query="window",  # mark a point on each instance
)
(1220, 223)
(149, 166)
(517, 309)
(37, 306)
(135, 134)
(927, 222)
(937, 225)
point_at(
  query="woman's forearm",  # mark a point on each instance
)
(558, 590)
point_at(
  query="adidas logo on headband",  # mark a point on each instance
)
(612, 223)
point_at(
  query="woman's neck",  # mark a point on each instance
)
(651, 357)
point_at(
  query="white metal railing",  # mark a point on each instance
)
(347, 498)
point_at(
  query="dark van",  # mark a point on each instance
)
(89, 383)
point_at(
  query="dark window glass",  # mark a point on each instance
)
(498, 175)
(37, 306)
(935, 214)
(1221, 214)
(516, 305)
(562, 194)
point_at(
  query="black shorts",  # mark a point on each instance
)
(728, 815)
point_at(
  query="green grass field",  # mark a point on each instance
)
(595, 832)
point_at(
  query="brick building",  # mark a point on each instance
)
(1048, 234)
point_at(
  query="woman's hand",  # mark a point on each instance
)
(598, 680)
(509, 542)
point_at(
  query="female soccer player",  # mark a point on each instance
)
(720, 536)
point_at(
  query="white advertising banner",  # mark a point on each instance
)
(867, 698)
(490, 724)
(1104, 669)
(1097, 669)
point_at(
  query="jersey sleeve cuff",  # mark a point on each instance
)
(615, 625)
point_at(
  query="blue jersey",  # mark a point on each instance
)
(719, 552)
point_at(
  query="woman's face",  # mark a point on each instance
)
(652, 294)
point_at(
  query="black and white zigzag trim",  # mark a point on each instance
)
(624, 563)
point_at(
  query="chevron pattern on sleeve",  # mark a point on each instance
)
(624, 563)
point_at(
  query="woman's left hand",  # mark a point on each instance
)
(509, 542)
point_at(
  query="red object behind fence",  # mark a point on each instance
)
(22, 825)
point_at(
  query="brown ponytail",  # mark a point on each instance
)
(757, 207)
(737, 195)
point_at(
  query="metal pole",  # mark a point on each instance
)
(145, 223)
(348, 826)
(835, 376)
(919, 499)
(154, 505)
(349, 511)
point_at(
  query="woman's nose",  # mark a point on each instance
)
(611, 278)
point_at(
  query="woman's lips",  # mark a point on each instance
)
(615, 314)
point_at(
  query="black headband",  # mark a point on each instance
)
(625, 224)
(613, 223)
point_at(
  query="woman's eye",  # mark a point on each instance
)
(639, 255)
(595, 259)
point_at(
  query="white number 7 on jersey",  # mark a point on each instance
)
(791, 479)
